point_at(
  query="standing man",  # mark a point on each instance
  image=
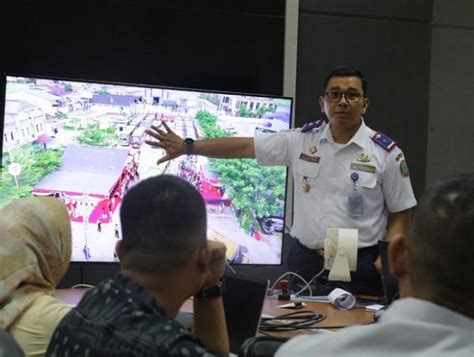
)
(99, 226)
(116, 231)
(163, 263)
(346, 175)
(87, 253)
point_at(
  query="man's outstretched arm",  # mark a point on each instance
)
(229, 148)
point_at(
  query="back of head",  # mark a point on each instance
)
(163, 224)
(441, 244)
(346, 71)
(36, 241)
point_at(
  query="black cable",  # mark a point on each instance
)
(81, 274)
(302, 320)
(264, 333)
(344, 326)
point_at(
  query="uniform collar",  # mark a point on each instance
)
(360, 138)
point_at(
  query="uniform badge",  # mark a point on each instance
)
(313, 149)
(305, 185)
(363, 157)
(399, 156)
(364, 168)
(404, 169)
(308, 158)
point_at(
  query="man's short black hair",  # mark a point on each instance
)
(163, 224)
(346, 71)
(441, 241)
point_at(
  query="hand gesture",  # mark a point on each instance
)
(216, 262)
(167, 140)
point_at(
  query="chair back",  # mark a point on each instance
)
(261, 346)
(8, 346)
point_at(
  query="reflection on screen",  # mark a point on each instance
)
(83, 143)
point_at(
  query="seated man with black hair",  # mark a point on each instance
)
(434, 266)
(165, 259)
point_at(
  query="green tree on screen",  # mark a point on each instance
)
(255, 189)
(35, 162)
(94, 136)
(252, 187)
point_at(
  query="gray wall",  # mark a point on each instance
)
(389, 42)
(451, 109)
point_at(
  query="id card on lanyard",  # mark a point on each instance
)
(355, 202)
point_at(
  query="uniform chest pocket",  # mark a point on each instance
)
(365, 179)
(309, 170)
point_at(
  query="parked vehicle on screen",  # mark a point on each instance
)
(137, 137)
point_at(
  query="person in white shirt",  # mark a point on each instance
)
(434, 266)
(346, 176)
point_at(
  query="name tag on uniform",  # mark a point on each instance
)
(363, 167)
(308, 158)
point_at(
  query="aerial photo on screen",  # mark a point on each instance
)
(84, 143)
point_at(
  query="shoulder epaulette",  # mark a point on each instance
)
(309, 127)
(386, 142)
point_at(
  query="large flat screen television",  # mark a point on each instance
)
(83, 142)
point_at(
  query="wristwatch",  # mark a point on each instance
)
(188, 146)
(209, 292)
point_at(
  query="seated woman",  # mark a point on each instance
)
(35, 248)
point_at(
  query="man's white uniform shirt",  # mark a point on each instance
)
(322, 172)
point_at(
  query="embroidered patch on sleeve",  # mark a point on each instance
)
(404, 169)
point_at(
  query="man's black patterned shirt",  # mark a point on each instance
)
(120, 318)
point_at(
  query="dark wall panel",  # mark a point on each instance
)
(419, 10)
(459, 13)
(451, 88)
(183, 43)
(393, 55)
(451, 126)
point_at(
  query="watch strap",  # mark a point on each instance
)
(209, 292)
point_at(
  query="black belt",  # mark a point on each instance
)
(319, 252)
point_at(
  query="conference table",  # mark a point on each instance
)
(334, 320)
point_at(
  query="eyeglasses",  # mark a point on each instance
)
(351, 96)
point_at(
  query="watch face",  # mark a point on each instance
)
(189, 146)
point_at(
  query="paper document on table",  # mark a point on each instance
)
(374, 307)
